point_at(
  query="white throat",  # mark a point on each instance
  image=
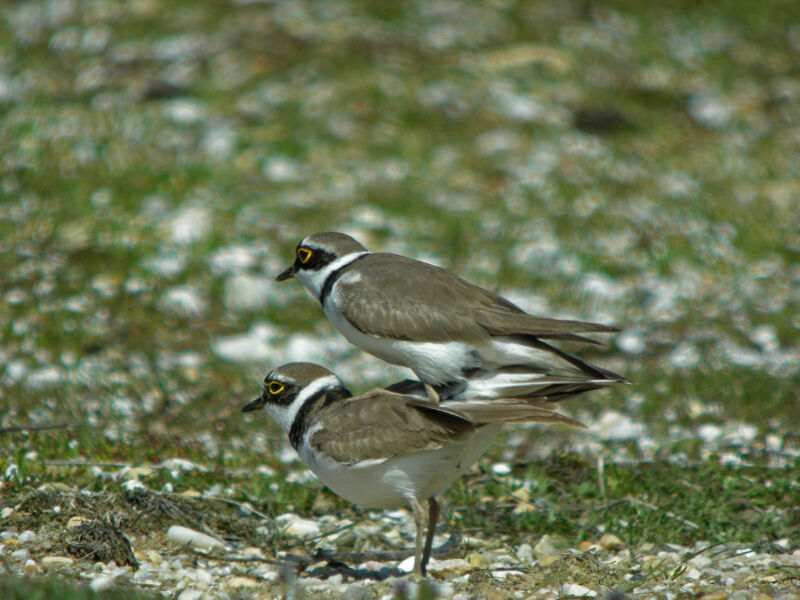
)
(314, 280)
(284, 415)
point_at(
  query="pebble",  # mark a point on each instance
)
(189, 537)
(693, 574)
(6, 512)
(502, 574)
(56, 562)
(21, 555)
(30, 566)
(27, 536)
(75, 521)
(701, 561)
(294, 526)
(477, 560)
(407, 565)
(449, 567)
(357, 592)
(609, 541)
(545, 548)
(190, 594)
(242, 582)
(102, 583)
(718, 595)
(525, 553)
(575, 589)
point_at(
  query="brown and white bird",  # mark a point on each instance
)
(385, 449)
(445, 329)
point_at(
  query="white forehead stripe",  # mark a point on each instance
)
(314, 280)
(284, 415)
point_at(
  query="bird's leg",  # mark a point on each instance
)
(433, 515)
(419, 519)
(433, 396)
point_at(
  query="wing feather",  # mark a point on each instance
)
(387, 300)
(382, 424)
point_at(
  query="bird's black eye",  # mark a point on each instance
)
(303, 255)
(275, 387)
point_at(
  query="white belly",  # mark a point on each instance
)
(389, 483)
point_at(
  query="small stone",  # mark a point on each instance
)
(477, 560)
(693, 574)
(548, 560)
(501, 469)
(609, 541)
(452, 567)
(357, 592)
(525, 553)
(56, 562)
(154, 557)
(189, 537)
(544, 548)
(6, 512)
(586, 545)
(700, 562)
(102, 583)
(718, 595)
(294, 526)
(575, 589)
(190, 595)
(21, 554)
(27, 536)
(252, 552)
(75, 521)
(30, 566)
(407, 565)
(498, 574)
(242, 582)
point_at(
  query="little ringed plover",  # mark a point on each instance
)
(445, 329)
(385, 449)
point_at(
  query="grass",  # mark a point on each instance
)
(403, 125)
(47, 589)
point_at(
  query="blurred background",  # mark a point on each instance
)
(623, 162)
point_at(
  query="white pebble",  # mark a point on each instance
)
(631, 343)
(701, 561)
(501, 469)
(498, 574)
(242, 348)
(575, 589)
(233, 259)
(693, 574)
(183, 300)
(56, 562)
(189, 537)
(294, 526)
(247, 293)
(407, 565)
(21, 554)
(525, 553)
(102, 583)
(190, 595)
(27, 536)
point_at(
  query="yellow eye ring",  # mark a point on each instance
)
(303, 254)
(275, 387)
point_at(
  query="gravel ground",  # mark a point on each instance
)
(159, 164)
(477, 569)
